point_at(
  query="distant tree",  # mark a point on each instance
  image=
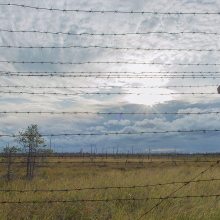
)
(32, 141)
(9, 153)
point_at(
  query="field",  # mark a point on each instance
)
(70, 174)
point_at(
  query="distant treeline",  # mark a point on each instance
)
(87, 154)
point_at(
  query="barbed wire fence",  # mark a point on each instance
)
(126, 75)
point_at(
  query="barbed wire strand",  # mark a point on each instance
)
(51, 9)
(114, 76)
(112, 162)
(140, 161)
(107, 93)
(109, 47)
(109, 34)
(114, 72)
(106, 187)
(109, 200)
(119, 133)
(109, 113)
(108, 62)
(109, 86)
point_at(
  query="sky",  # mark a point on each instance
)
(141, 99)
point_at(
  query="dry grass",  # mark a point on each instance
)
(134, 171)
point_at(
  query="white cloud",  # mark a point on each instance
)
(118, 122)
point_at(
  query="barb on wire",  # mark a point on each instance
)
(105, 187)
(95, 11)
(110, 34)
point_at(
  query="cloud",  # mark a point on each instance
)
(27, 19)
(118, 122)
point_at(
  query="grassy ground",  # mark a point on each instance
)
(111, 172)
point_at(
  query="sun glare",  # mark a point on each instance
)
(147, 95)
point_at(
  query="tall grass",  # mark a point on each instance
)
(60, 176)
